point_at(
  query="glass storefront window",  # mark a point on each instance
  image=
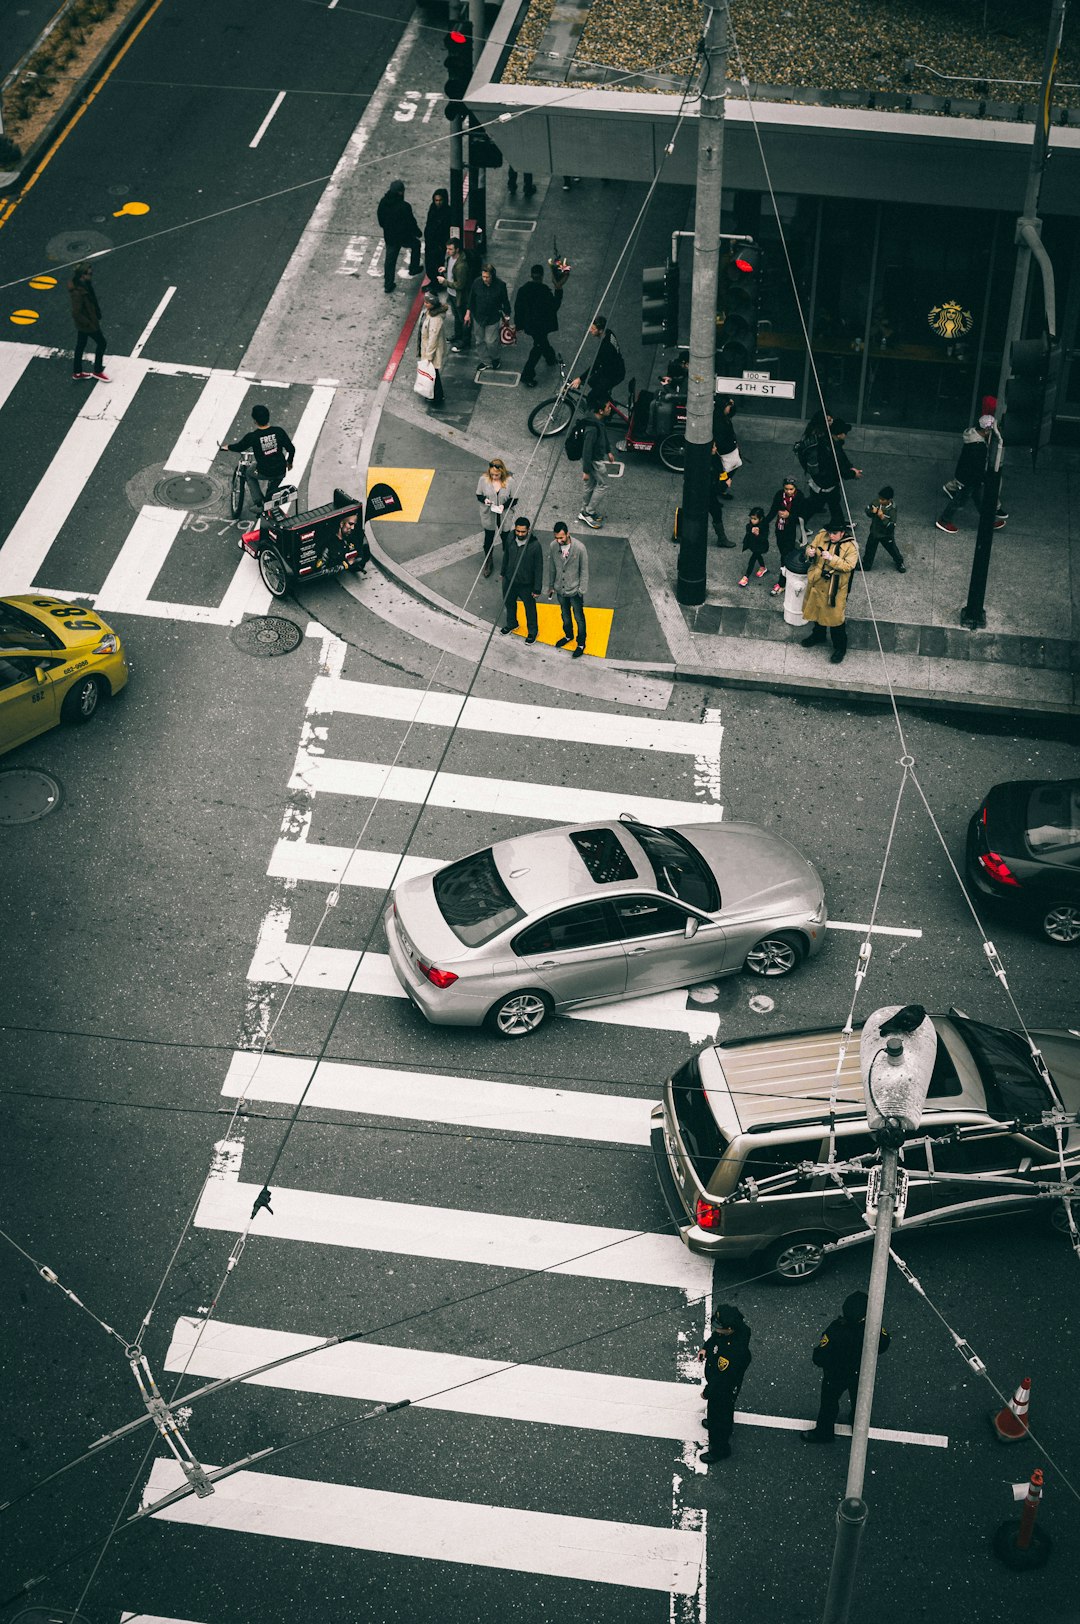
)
(842, 296)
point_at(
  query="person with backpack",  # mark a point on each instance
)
(595, 453)
(608, 367)
(537, 315)
(400, 230)
(826, 466)
(726, 1356)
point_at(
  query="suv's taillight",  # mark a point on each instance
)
(706, 1215)
(997, 868)
(438, 978)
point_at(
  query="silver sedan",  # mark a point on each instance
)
(591, 913)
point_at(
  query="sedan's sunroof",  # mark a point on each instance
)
(604, 855)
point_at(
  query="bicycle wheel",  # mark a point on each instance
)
(672, 449)
(551, 416)
(272, 570)
(236, 492)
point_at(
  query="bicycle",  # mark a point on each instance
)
(554, 416)
(277, 504)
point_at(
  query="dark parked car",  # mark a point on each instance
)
(1023, 850)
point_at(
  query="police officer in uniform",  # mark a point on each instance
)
(838, 1356)
(726, 1354)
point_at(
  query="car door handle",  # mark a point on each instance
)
(634, 950)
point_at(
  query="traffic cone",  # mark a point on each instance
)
(1011, 1423)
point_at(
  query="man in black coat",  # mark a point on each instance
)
(838, 1355)
(522, 577)
(400, 230)
(726, 1354)
(536, 313)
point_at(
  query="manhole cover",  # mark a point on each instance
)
(185, 490)
(76, 245)
(27, 794)
(706, 994)
(267, 635)
(761, 1004)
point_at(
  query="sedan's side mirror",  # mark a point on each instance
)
(692, 926)
(41, 672)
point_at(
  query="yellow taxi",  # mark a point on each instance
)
(58, 661)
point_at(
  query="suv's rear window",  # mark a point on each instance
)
(704, 1142)
(1014, 1089)
(1053, 817)
(473, 899)
(604, 855)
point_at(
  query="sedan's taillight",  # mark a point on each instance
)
(438, 978)
(706, 1215)
(997, 868)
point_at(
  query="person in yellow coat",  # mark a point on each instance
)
(833, 557)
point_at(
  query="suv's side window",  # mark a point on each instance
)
(997, 1153)
(588, 925)
(774, 1157)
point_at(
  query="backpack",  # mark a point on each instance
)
(575, 441)
(804, 449)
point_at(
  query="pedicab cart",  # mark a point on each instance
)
(293, 548)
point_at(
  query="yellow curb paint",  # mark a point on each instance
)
(131, 208)
(411, 484)
(7, 209)
(42, 283)
(24, 318)
(549, 627)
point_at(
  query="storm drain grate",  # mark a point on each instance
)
(267, 635)
(27, 794)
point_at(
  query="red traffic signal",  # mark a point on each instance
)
(459, 66)
(747, 258)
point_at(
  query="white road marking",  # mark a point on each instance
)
(545, 1394)
(420, 1096)
(338, 1514)
(341, 969)
(151, 1618)
(139, 561)
(208, 423)
(352, 256)
(878, 930)
(555, 803)
(494, 1240)
(341, 865)
(309, 428)
(265, 125)
(707, 757)
(61, 486)
(140, 343)
(14, 360)
(509, 719)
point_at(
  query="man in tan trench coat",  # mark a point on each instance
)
(835, 556)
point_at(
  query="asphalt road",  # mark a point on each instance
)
(424, 1191)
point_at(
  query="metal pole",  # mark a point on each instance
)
(852, 1514)
(973, 614)
(477, 174)
(457, 176)
(690, 585)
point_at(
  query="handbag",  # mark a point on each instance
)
(507, 333)
(730, 460)
(425, 380)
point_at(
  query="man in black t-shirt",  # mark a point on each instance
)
(274, 453)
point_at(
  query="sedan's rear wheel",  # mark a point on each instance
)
(794, 1259)
(519, 1013)
(1061, 924)
(776, 955)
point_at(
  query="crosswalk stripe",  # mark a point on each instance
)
(62, 484)
(151, 1618)
(418, 1096)
(380, 1373)
(14, 360)
(351, 1518)
(341, 865)
(138, 563)
(339, 969)
(314, 415)
(343, 696)
(209, 421)
(496, 1240)
(556, 803)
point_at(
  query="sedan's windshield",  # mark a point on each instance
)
(679, 869)
(1014, 1088)
(473, 899)
(19, 630)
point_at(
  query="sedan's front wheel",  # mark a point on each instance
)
(81, 700)
(776, 955)
(519, 1013)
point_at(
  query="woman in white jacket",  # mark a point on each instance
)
(431, 344)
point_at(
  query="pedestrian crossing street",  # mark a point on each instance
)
(66, 511)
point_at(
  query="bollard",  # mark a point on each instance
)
(1019, 1543)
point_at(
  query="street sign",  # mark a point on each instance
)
(756, 384)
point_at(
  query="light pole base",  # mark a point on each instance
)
(972, 620)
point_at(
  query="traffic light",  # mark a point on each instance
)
(1031, 391)
(660, 305)
(738, 298)
(459, 66)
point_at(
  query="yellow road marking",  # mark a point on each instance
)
(411, 484)
(24, 318)
(550, 628)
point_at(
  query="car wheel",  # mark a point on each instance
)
(794, 1259)
(1061, 924)
(519, 1013)
(776, 955)
(81, 701)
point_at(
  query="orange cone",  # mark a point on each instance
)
(1011, 1423)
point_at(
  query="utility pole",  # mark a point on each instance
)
(1028, 242)
(477, 172)
(690, 585)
